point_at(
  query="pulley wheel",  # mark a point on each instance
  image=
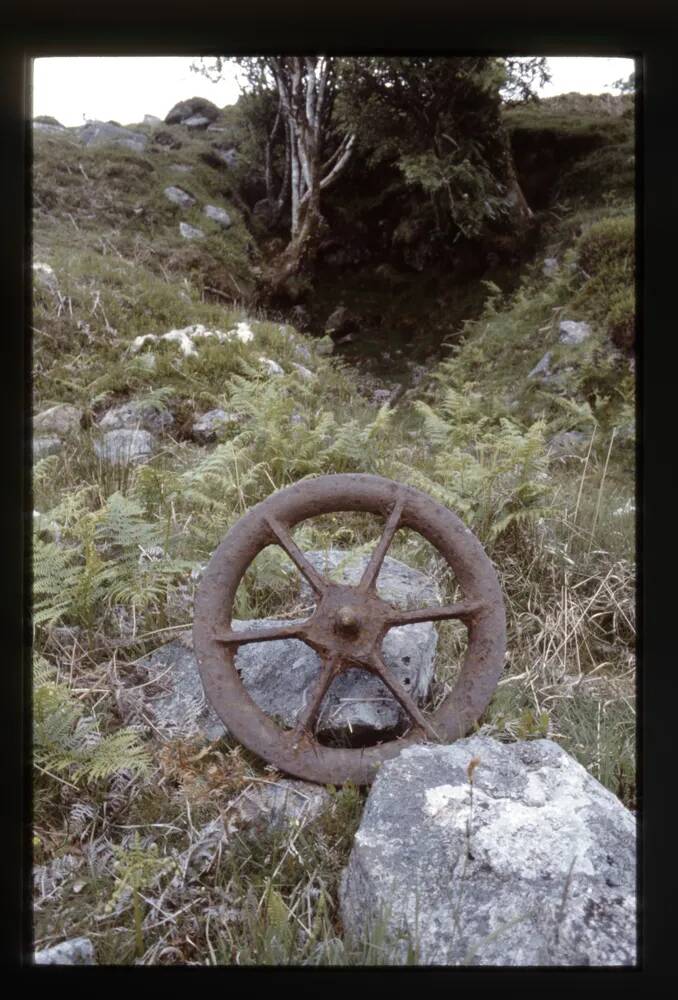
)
(348, 625)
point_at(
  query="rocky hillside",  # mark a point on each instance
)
(168, 401)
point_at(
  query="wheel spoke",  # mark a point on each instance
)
(462, 610)
(395, 687)
(308, 717)
(286, 541)
(376, 559)
(238, 637)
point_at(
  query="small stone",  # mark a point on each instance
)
(272, 366)
(76, 951)
(550, 267)
(43, 446)
(190, 232)
(121, 447)
(179, 197)
(44, 275)
(60, 419)
(135, 414)
(305, 373)
(542, 368)
(206, 428)
(567, 443)
(227, 156)
(219, 215)
(572, 332)
(279, 804)
(181, 168)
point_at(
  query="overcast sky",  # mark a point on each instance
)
(74, 89)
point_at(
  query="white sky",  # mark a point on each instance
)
(124, 88)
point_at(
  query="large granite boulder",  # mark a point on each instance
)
(280, 675)
(194, 107)
(104, 133)
(483, 853)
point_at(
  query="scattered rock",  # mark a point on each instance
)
(341, 322)
(190, 232)
(305, 372)
(241, 332)
(219, 215)
(179, 197)
(275, 805)
(135, 414)
(194, 106)
(60, 419)
(44, 275)
(44, 446)
(123, 446)
(77, 951)
(279, 675)
(542, 368)
(206, 428)
(227, 156)
(182, 168)
(568, 443)
(539, 869)
(572, 332)
(272, 367)
(148, 361)
(102, 133)
(152, 120)
(324, 346)
(550, 267)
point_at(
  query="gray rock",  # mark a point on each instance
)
(182, 168)
(542, 368)
(227, 156)
(324, 346)
(179, 197)
(219, 215)
(44, 446)
(44, 275)
(190, 232)
(279, 804)
(135, 414)
(103, 133)
(573, 333)
(152, 120)
(60, 419)
(196, 121)
(77, 951)
(279, 675)
(305, 372)
(568, 443)
(48, 120)
(539, 870)
(205, 429)
(550, 267)
(123, 446)
(341, 322)
(187, 109)
(272, 367)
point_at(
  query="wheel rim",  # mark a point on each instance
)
(348, 624)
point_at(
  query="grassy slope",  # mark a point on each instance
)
(559, 530)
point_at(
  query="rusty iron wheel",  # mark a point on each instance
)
(348, 625)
